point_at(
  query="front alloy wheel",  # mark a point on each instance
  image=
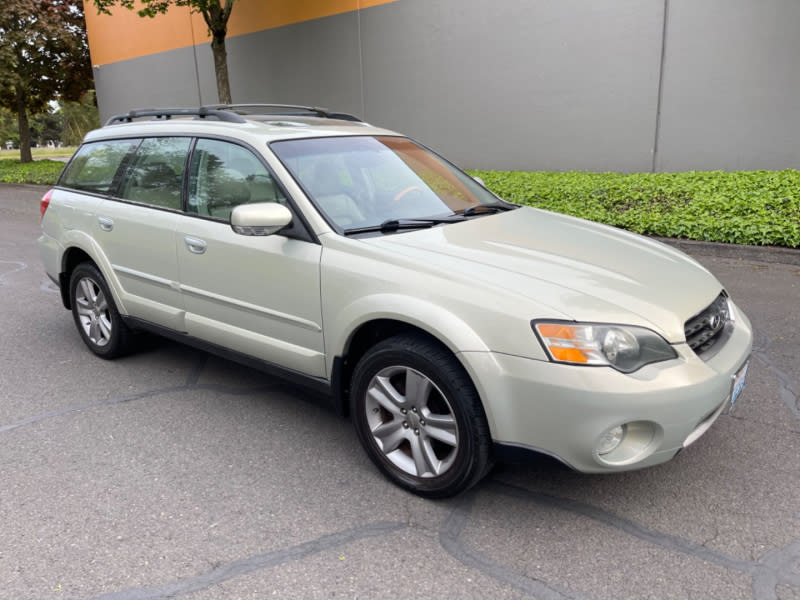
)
(411, 421)
(419, 417)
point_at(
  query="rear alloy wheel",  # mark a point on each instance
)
(95, 313)
(419, 417)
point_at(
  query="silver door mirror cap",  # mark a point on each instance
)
(264, 218)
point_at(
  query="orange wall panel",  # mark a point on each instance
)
(124, 34)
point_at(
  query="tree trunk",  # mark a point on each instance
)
(221, 69)
(24, 129)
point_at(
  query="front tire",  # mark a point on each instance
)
(419, 418)
(95, 314)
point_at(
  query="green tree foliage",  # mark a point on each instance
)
(215, 13)
(8, 128)
(77, 118)
(67, 123)
(43, 56)
(45, 127)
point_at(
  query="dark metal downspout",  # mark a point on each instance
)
(657, 133)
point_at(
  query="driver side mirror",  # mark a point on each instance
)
(263, 218)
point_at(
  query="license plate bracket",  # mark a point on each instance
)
(737, 384)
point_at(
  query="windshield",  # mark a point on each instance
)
(360, 181)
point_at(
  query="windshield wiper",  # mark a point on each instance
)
(391, 225)
(490, 208)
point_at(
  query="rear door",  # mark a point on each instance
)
(257, 295)
(137, 230)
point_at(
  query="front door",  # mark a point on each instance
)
(257, 295)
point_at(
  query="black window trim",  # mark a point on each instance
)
(115, 180)
(333, 225)
(299, 230)
(123, 167)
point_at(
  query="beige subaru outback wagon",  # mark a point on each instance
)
(454, 328)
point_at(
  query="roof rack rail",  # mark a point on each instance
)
(202, 112)
(283, 109)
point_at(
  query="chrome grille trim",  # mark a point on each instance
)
(707, 331)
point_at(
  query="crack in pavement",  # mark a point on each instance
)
(148, 394)
(789, 395)
(72, 409)
(450, 539)
(197, 370)
(780, 566)
(250, 564)
(774, 568)
(191, 384)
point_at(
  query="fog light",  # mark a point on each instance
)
(611, 439)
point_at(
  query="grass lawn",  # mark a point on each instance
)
(38, 153)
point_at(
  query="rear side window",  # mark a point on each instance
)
(94, 165)
(155, 173)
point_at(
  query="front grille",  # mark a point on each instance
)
(707, 331)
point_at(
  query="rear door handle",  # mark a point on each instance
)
(105, 223)
(195, 245)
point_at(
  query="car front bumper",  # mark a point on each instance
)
(565, 410)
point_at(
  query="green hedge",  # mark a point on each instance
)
(43, 171)
(744, 207)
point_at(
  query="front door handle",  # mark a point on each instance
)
(195, 245)
(105, 223)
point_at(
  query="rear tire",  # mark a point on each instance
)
(95, 314)
(419, 418)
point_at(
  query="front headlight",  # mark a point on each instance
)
(623, 347)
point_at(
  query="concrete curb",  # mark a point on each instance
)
(769, 254)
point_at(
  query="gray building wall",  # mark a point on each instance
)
(620, 85)
(731, 86)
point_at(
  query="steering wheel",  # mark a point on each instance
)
(410, 189)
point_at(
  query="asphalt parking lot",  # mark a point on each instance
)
(174, 474)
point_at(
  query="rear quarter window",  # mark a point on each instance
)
(94, 165)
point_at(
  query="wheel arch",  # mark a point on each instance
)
(73, 256)
(411, 315)
(78, 248)
(386, 398)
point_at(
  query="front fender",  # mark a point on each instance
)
(449, 329)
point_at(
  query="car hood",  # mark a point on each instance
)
(567, 267)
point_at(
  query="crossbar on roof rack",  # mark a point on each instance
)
(284, 109)
(202, 112)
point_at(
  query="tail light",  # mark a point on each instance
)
(45, 202)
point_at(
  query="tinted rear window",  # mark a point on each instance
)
(94, 165)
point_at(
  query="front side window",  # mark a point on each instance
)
(95, 164)
(223, 175)
(154, 175)
(362, 181)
